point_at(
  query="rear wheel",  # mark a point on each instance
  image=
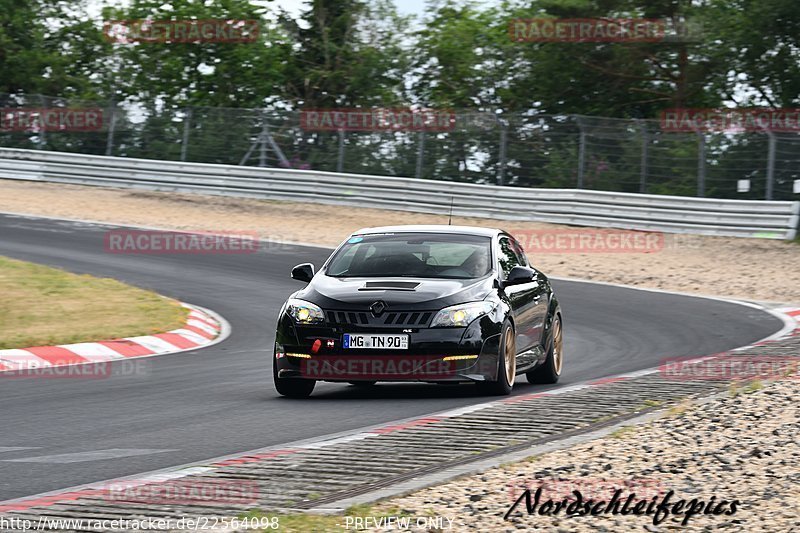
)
(506, 364)
(550, 370)
(291, 387)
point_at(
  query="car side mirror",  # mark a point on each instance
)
(519, 275)
(303, 272)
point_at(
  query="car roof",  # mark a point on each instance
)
(431, 228)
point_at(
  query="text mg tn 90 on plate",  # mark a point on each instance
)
(384, 342)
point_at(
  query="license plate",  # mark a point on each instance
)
(377, 341)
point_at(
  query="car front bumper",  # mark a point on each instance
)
(433, 354)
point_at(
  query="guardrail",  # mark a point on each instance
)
(675, 214)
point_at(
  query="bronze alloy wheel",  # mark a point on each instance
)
(550, 370)
(558, 346)
(506, 364)
(510, 355)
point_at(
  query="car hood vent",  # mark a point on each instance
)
(389, 286)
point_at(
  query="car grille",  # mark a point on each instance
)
(393, 318)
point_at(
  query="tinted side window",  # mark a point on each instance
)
(508, 257)
(520, 251)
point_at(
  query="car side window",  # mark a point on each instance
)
(520, 251)
(508, 256)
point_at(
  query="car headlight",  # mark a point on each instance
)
(461, 315)
(304, 312)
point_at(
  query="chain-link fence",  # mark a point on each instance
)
(509, 149)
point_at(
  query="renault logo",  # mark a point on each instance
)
(377, 308)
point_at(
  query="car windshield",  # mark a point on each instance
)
(418, 255)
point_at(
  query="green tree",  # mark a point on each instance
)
(614, 79)
(757, 41)
(219, 74)
(347, 53)
(49, 47)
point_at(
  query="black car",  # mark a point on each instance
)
(435, 304)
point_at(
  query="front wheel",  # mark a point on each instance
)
(291, 387)
(550, 370)
(506, 364)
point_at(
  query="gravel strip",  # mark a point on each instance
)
(742, 446)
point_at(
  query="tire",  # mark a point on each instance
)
(506, 364)
(362, 384)
(292, 387)
(550, 370)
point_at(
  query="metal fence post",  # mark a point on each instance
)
(340, 156)
(581, 153)
(643, 169)
(187, 123)
(501, 163)
(262, 154)
(112, 123)
(420, 154)
(112, 126)
(41, 138)
(770, 166)
(701, 164)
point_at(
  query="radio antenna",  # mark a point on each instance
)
(450, 216)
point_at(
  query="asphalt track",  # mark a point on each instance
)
(217, 401)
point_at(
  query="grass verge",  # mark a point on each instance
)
(43, 306)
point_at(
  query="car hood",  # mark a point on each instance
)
(401, 293)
